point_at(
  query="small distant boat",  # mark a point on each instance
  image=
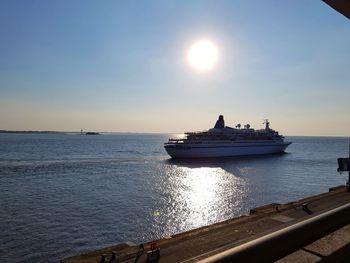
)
(224, 141)
(92, 133)
(88, 133)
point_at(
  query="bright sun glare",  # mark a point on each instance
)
(203, 55)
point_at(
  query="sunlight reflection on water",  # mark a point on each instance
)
(197, 196)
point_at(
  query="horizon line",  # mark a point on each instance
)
(136, 132)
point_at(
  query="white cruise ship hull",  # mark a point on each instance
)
(234, 149)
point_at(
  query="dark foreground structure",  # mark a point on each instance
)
(314, 229)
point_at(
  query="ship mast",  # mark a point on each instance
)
(267, 124)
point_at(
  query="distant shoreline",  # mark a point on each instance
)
(30, 132)
(49, 132)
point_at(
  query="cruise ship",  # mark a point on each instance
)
(224, 141)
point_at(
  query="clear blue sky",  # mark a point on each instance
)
(121, 65)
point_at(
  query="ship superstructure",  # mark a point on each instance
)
(223, 141)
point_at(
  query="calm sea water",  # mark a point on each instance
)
(65, 194)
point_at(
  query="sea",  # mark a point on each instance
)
(65, 194)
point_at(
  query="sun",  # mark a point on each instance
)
(203, 55)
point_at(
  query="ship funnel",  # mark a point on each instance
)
(220, 123)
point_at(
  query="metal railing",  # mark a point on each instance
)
(283, 242)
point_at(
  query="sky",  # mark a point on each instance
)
(121, 66)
